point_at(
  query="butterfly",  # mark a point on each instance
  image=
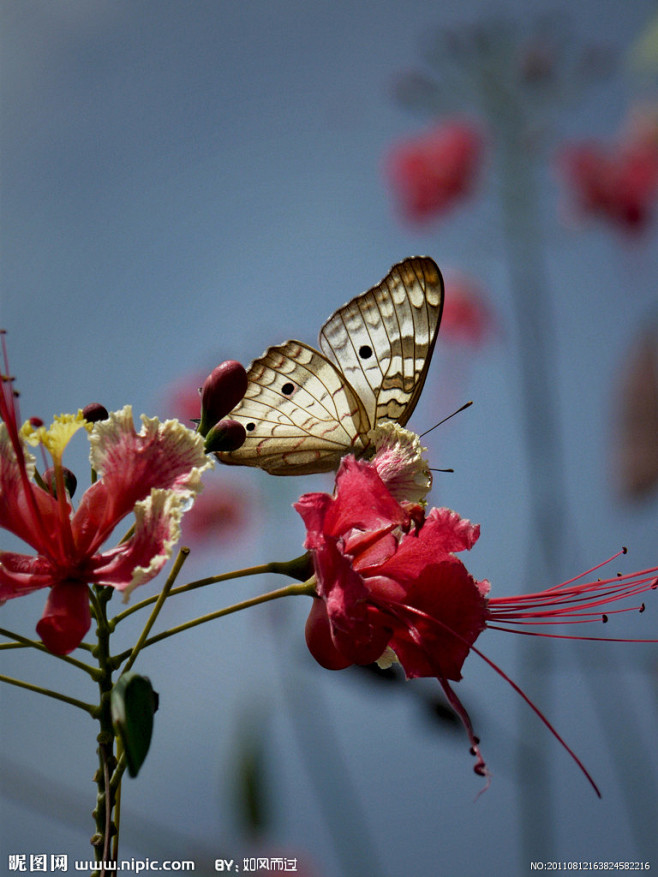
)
(304, 409)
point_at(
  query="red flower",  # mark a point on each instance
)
(620, 183)
(431, 172)
(389, 586)
(154, 474)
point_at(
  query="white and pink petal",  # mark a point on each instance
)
(161, 456)
(140, 558)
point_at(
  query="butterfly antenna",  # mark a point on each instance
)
(458, 411)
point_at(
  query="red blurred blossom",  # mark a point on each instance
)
(619, 182)
(431, 172)
(219, 515)
(184, 398)
(390, 586)
(467, 317)
(153, 474)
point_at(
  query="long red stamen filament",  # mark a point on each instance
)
(540, 714)
(64, 531)
(595, 639)
(480, 765)
(618, 583)
(9, 411)
(526, 609)
(418, 639)
(588, 572)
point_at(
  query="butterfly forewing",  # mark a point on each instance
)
(382, 341)
(299, 414)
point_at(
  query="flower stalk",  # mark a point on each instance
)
(103, 813)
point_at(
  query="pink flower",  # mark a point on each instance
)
(153, 474)
(618, 183)
(432, 172)
(390, 587)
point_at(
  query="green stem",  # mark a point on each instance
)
(307, 588)
(122, 763)
(87, 707)
(297, 568)
(103, 812)
(35, 644)
(97, 609)
(164, 593)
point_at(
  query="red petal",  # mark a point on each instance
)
(66, 617)
(319, 641)
(442, 616)
(362, 501)
(22, 573)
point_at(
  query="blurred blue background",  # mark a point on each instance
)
(189, 182)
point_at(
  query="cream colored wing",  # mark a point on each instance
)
(304, 410)
(383, 340)
(300, 414)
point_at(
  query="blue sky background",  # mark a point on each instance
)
(189, 182)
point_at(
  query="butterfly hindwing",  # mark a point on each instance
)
(382, 340)
(299, 414)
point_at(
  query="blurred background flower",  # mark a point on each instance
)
(433, 171)
(467, 314)
(618, 182)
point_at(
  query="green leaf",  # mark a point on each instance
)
(133, 703)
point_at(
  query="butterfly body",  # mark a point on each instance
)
(304, 409)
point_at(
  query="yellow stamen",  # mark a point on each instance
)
(56, 437)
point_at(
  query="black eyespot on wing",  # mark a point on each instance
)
(250, 427)
(365, 351)
(287, 389)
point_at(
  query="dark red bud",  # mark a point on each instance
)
(50, 480)
(227, 435)
(35, 422)
(94, 412)
(222, 390)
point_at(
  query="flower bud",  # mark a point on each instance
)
(50, 480)
(222, 390)
(227, 435)
(94, 412)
